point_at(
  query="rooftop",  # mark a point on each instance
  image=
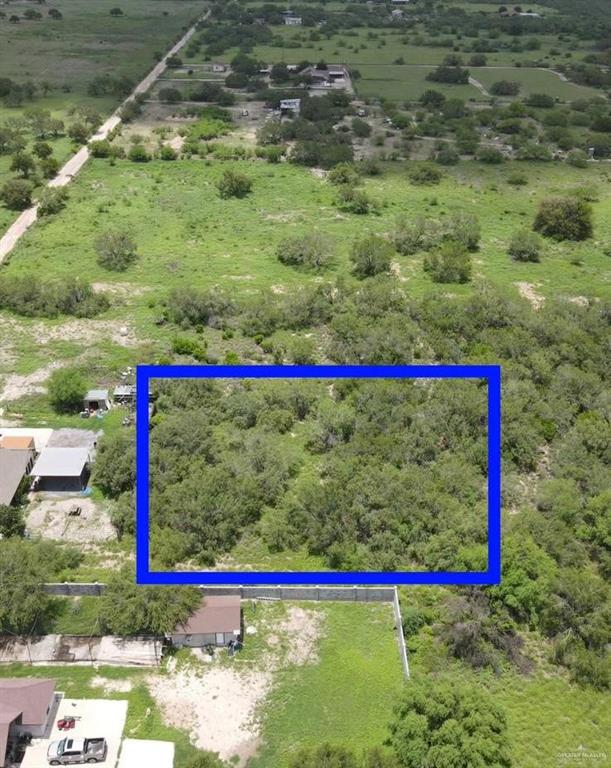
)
(97, 394)
(17, 442)
(27, 696)
(13, 466)
(217, 613)
(61, 462)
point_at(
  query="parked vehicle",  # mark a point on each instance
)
(72, 751)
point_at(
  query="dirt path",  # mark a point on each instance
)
(72, 167)
(476, 84)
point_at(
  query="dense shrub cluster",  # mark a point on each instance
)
(32, 296)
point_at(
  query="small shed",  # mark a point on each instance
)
(217, 621)
(61, 470)
(97, 400)
(292, 106)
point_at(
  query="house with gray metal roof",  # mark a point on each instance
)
(61, 470)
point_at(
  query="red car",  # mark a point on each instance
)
(66, 723)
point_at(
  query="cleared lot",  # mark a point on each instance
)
(94, 718)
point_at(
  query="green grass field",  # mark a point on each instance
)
(187, 235)
(407, 83)
(88, 41)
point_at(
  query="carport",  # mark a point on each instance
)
(94, 718)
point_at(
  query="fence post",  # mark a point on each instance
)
(400, 638)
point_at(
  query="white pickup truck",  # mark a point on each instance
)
(73, 751)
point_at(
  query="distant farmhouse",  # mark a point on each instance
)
(331, 76)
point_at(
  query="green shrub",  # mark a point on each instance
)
(313, 251)
(564, 218)
(343, 173)
(67, 388)
(100, 148)
(138, 154)
(115, 250)
(356, 201)
(450, 263)
(425, 173)
(52, 200)
(490, 155)
(577, 158)
(524, 246)
(16, 194)
(234, 184)
(371, 255)
(183, 345)
(167, 153)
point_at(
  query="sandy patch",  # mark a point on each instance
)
(218, 707)
(284, 218)
(303, 629)
(48, 517)
(120, 289)
(319, 173)
(278, 289)
(529, 292)
(581, 301)
(16, 386)
(395, 271)
(112, 686)
(176, 143)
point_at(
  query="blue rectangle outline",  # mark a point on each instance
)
(490, 373)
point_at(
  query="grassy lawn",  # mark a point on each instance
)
(546, 714)
(346, 697)
(143, 718)
(407, 83)
(534, 81)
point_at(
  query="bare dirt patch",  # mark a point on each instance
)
(303, 629)
(529, 292)
(120, 289)
(112, 686)
(16, 386)
(218, 706)
(48, 517)
(87, 331)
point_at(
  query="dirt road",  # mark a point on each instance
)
(72, 167)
